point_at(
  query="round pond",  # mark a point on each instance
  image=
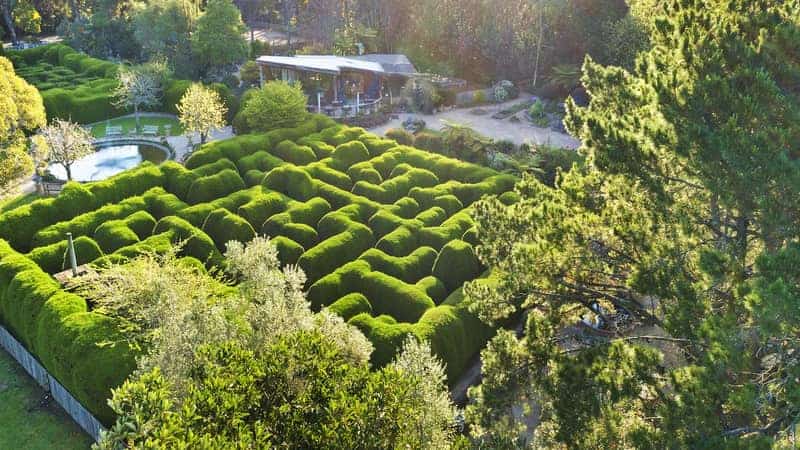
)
(111, 159)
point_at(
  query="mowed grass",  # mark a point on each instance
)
(24, 424)
(128, 124)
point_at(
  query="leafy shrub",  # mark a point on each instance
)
(258, 210)
(351, 305)
(113, 235)
(295, 154)
(429, 141)
(350, 153)
(223, 226)
(276, 105)
(456, 264)
(401, 136)
(289, 251)
(331, 253)
(291, 181)
(214, 186)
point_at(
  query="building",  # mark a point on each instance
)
(341, 86)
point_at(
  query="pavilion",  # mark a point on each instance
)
(341, 86)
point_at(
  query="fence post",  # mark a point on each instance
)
(73, 261)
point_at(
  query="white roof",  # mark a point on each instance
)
(320, 63)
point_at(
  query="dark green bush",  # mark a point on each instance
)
(289, 251)
(223, 226)
(384, 222)
(214, 186)
(323, 172)
(260, 160)
(113, 235)
(86, 223)
(335, 251)
(400, 242)
(258, 210)
(434, 287)
(163, 204)
(214, 167)
(142, 223)
(387, 338)
(401, 136)
(409, 268)
(295, 154)
(429, 141)
(23, 300)
(450, 203)
(195, 242)
(456, 264)
(406, 207)
(342, 281)
(350, 153)
(129, 183)
(291, 181)
(351, 305)
(432, 216)
(388, 295)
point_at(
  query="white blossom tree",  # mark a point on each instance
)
(201, 110)
(138, 88)
(65, 142)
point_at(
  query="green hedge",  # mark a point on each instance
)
(223, 226)
(261, 208)
(456, 264)
(335, 251)
(208, 188)
(410, 269)
(291, 181)
(293, 153)
(289, 251)
(393, 297)
(351, 305)
(113, 235)
(350, 153)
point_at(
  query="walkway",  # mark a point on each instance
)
(517, 133)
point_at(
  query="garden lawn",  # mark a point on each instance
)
(26, 425)
(128, 124)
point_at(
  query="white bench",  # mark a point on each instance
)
(150, 130)
(113, 131)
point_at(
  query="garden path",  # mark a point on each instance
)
(517, 133)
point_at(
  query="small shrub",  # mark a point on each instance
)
(456, 264)
(351, 305)
(401, 136)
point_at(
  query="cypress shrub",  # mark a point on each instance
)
(350, 153)
(261, 208)
(262, 161)
(291, 181)
(211, 187)
(406, 207)
(450, 203)
(400, 242)
(471, 237)
(340, 282)
(364, 172)
(409, 269)
(126, 184)
(223, 226)
(387, 338)
(23, 300)
(142, 223)
(164, 204)
(400, 136)
(351, 305)
(388, 295)
(432, 216)
(289, 251)
(295, 154)
(47, 344)
(384, 222)
(95, 369)
(376, 145)
(320, 148)
(335, 251)
(434, 287)
(456, 264)
(86, 223)
(195, 242)
(253, 177)
(214, 167)
(113, 235)
(429, 141)
(329, 175)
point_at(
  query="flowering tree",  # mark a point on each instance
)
(201, 110)
(138, 88)
(65, 142)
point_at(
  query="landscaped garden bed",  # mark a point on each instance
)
(382, 231)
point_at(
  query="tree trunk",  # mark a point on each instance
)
(203, 137)
(68, 168)
(538, 46)
(5, 5)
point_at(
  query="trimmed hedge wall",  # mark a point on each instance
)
(383, 232)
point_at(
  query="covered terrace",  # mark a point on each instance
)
(341, 86)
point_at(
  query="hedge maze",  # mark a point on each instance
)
(382, 231)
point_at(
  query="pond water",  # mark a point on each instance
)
(110, 160)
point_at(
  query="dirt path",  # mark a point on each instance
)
(517, 133)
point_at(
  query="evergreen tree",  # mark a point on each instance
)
(657, 280)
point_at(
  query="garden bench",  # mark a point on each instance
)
(150, 130)
(114, 131)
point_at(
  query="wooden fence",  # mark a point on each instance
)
(79, 414)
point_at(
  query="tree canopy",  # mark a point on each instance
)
(21, 111)
(648, 274)
(276, 105)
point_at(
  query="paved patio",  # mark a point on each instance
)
(517, 133)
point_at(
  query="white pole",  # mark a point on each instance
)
(358, 101)
(260, 76)
(72, 259)
(319, 102)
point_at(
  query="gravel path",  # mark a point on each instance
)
(517, 133)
